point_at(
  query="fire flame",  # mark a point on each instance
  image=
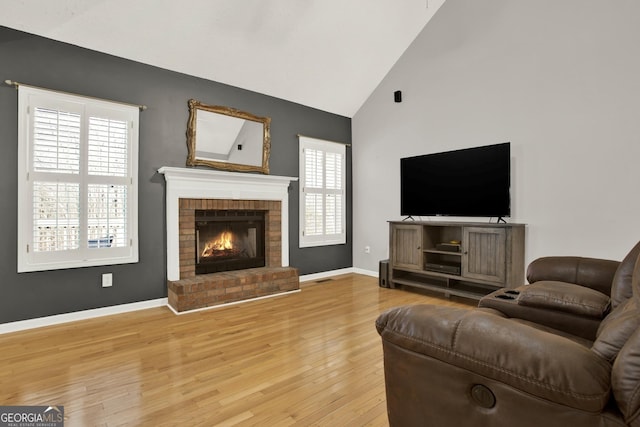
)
(221, 243)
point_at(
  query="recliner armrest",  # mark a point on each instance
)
(566, 307)
(592, 273)
(536, 362)
(567, 297)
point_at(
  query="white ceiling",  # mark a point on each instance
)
(326, 54)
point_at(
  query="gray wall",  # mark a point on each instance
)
(559, 79)
(42, 62)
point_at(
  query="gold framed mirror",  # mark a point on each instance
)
(227, 139)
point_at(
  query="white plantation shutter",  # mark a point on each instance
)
(313, 178)
(56, 216)
(107, 203)
(322, 192)
(56, 197)
(334, 194)
(78, 181)
(56, 141)
(107, 216)
(107, 147)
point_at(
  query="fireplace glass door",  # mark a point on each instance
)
(229, 240)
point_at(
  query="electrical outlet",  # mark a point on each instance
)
(107, 280)
(367, 249)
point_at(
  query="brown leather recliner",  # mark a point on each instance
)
(572, 294)
(447, 366)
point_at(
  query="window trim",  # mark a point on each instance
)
(30, 98)
(322, 239)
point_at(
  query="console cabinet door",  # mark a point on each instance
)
(406, 246)
(484, 254)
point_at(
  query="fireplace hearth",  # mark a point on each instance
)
(228, 240)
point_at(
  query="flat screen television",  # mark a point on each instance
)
(473, 182)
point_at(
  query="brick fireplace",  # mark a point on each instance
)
(195, 193)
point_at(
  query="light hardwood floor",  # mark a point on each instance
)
(307, 358)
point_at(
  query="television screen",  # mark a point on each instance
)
(469, 182)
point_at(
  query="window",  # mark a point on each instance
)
(322, 193)
(77, 181)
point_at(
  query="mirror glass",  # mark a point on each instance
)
(228, 139)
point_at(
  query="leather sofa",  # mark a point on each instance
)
(447, 366)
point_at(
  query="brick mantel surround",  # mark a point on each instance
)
(189, 189)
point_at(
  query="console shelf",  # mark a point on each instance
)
(457, 258)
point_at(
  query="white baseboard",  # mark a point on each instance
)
(57, 319)
(325, 274)
(365, 272)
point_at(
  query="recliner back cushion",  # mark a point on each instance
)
(625, 375)
(593, 273)
(625, 379)
(615, 330)
(621, 288)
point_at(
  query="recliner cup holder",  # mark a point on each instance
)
(505, 296)
(512, 292)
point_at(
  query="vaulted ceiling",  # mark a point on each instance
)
(326, 54)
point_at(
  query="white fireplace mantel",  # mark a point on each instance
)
(185, 183)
